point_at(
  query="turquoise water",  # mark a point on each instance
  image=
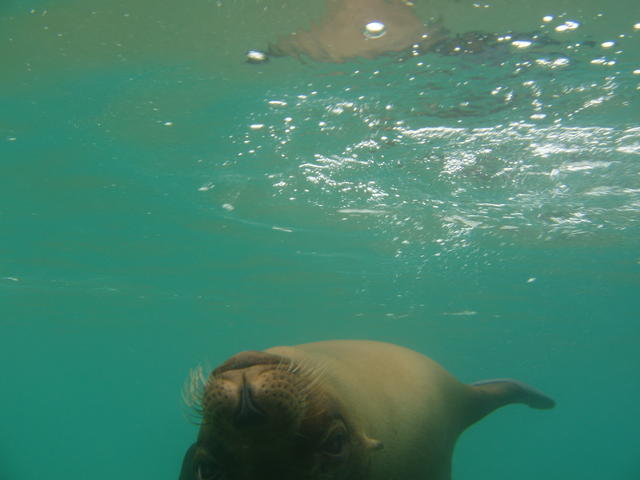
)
(165, 204)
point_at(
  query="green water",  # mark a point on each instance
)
(164, 204)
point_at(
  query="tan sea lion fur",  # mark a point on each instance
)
(337, 410)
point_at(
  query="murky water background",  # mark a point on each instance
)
(165, 203)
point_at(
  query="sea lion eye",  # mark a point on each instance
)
(208, 471)
(334, 445)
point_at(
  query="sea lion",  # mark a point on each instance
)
(336, 410)
(359, 28)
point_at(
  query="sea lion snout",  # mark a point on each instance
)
(251, 390)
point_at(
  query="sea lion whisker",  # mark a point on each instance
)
(192, 394)
(295, 367)
(316, 374)
(286, 365)
(305, 369)
(193, 387)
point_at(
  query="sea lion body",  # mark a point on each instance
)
(356, 410)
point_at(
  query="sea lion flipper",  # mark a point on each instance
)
(187, 472)
(498, 392)
(503, 391)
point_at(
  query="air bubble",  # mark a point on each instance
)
(257, 56)
(567, 26)
(374, 30)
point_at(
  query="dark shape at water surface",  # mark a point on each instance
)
(359, 28)
(370, 28)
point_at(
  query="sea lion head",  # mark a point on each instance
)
(267, 417)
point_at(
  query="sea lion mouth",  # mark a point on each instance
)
(248, 359)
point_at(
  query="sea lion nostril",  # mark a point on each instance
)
(248, 413)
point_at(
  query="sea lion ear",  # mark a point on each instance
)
(372, 443)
